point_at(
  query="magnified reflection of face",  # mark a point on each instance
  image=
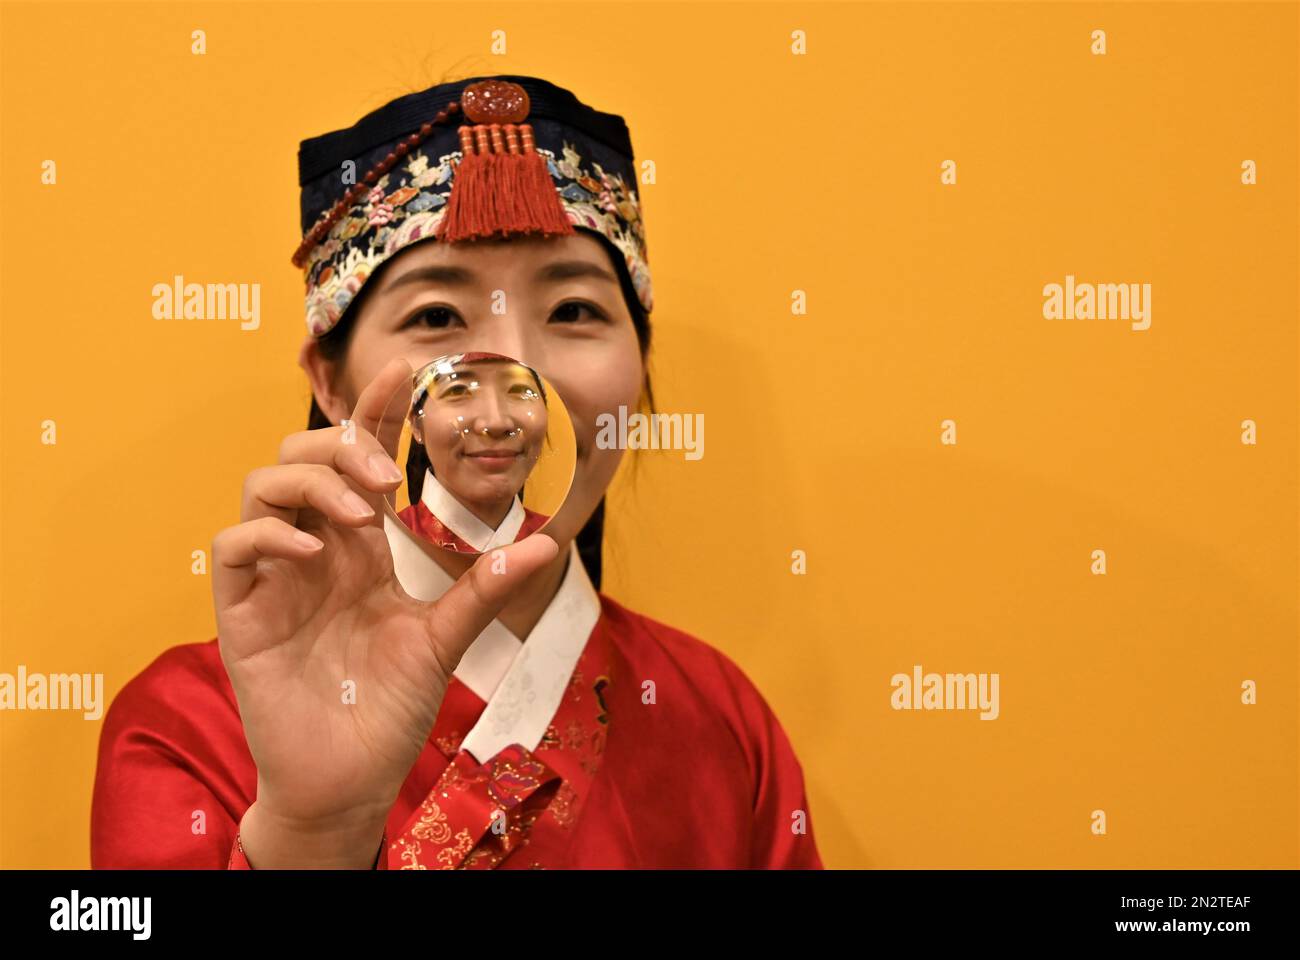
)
(483, 426)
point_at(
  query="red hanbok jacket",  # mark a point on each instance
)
(703, 777)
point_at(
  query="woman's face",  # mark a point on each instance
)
(553, 303)
(483, 427)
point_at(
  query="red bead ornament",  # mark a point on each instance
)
(495, 101)
(502, 185)
(323, 226)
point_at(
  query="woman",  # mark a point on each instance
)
(366, 705)
(478, 423)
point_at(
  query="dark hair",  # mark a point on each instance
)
(333, 347)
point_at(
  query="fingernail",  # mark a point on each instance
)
(383, 468)
(307, 540)
(355, 505)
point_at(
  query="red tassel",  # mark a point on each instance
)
(501, 194)
(538, 195)
(466, 213)
(513, 183)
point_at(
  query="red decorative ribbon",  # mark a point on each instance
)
(476, 815)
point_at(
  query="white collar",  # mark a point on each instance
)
(522, 683)
(456, 517)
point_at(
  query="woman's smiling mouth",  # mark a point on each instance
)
(494, 459)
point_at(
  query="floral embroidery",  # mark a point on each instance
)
(407, 204)
(511, 783)
(538, 797)
(489, 808)
(590, 761)
(452, 856)
(476, 858)
(410, 854)
(576, 735)
(454, 779)
(550, 739)
(450, 744)
(432, 824)
(561, 808)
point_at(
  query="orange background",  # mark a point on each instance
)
(775, 173)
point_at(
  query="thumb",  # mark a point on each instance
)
(474, 600)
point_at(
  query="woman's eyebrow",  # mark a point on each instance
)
(569, 269)
(435, 273)
(460, 276)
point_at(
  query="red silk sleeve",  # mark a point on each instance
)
(783, 824)
(238, 861)
(174, 775)
(783, 834)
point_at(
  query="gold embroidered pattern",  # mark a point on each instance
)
(450, 744)
(432, 824)
(561, 808)
(411, 854)
(451, 857)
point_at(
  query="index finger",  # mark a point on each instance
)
(376, 399)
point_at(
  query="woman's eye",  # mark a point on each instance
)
(434, 318)
(572, 312)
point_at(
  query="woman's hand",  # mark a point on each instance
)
(338, 672)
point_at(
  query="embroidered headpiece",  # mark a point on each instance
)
(478, 158)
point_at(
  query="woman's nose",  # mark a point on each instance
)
(492, 416)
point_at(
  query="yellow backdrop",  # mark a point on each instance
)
(776, 171)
